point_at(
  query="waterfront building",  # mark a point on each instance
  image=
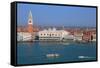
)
(75, 34)
(78, 36)
(52, 34)
(89, 35)
(27, 33)
(93, 31)
(69, 37)
(24, 36)
(94, 37)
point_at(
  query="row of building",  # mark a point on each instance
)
(53, 34)
(56, 35)
(31, 33)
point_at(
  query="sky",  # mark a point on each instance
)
(50, 15)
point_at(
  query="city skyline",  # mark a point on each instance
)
(48, 15)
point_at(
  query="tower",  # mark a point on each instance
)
(30, 23)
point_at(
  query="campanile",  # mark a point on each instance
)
(30, 22)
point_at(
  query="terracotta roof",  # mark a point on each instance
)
(25, 29)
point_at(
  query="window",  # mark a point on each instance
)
(52, 34)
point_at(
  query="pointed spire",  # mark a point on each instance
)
(30, 14)
(30, 20)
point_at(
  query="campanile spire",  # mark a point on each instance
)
(30, 20)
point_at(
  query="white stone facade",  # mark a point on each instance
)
(52, 34)
(24, 36)
(78, 37)
(94, 37)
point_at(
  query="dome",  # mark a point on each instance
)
(54, 29)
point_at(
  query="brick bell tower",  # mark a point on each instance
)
(30, 23)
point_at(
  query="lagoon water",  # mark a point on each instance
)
(36, 52)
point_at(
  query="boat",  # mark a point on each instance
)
(52, 55)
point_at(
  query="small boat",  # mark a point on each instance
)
(81, 57)
(52, 55)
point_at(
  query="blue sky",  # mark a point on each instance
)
(48, 15)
